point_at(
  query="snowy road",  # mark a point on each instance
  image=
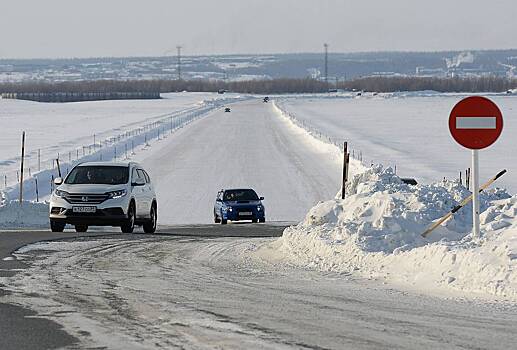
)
(195, 293)
(250, 147)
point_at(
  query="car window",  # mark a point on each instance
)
(141, 175)
(98, 174)
(146, 175)
(240, 195)
(134, 175)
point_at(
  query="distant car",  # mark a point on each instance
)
(227, 109)
(104, 194)
(237, 205)
(266, 99)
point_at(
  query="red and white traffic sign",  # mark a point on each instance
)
(476, 122)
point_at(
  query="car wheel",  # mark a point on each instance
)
(216, 219)
(224, 221)
(150, 225)
(262, 220)
(81, 228)
(56, 226)
(129, 225)
(254, 221)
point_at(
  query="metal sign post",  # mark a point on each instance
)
(475, 193)
(475, 123)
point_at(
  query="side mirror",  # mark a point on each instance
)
(261, 198)
(218, 200)
(138, 183)
(58, 181)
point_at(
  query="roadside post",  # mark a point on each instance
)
(58, 167)
(346, 162)
(475, 123)
(21, 167)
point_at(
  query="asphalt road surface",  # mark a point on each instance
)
(198, 287)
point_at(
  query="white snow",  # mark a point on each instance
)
(27, 214)
(67, 129)
(253, 146)
(376, 233)
(409, 131)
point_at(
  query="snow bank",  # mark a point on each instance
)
(376, 231)
(28, 214)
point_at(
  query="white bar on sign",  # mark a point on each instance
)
(475, 122)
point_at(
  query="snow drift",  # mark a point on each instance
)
(376, 231)
(27, 214)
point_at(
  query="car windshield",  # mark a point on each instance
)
(108, 175)
(240, 195)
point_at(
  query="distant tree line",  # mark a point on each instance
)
(456, 84)
(267, 86)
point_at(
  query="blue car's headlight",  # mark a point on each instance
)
(116, 194)
(230, 209)
(259, 207)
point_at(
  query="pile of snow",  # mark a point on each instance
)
(376, 232)
(27, 214)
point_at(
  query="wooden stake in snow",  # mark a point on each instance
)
(58, 167)
(21, 167)
(461, 205)
(37, 191)
(345, 169)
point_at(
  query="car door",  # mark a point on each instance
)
(146, 193)
(218, 202)
(138, 192)
(149, 191)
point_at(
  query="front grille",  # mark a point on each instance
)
(85, 198)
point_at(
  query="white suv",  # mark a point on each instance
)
(104, 194)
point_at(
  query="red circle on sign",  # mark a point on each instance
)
(476, 122)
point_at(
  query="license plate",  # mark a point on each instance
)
(84, 209)
(245, 213)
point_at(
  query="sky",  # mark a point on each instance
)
(96, 28)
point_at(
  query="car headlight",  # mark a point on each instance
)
(259, 207)
(60, 194)
(116, 194)
(230, 209)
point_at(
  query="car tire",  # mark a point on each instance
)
(262, 220)
(129, 225)
(150, 225)
(216, 219)
(81, 228)
(56, 226)
(224, 221)
(254, 221)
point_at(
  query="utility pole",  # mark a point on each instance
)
(179, 61)
(326, 46)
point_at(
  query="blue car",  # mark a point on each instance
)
(237, 205)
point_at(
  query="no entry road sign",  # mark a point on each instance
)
(475, 122)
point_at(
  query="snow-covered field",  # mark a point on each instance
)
(115, 138)
(409, 131)
(376, 231)
(68, 130)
